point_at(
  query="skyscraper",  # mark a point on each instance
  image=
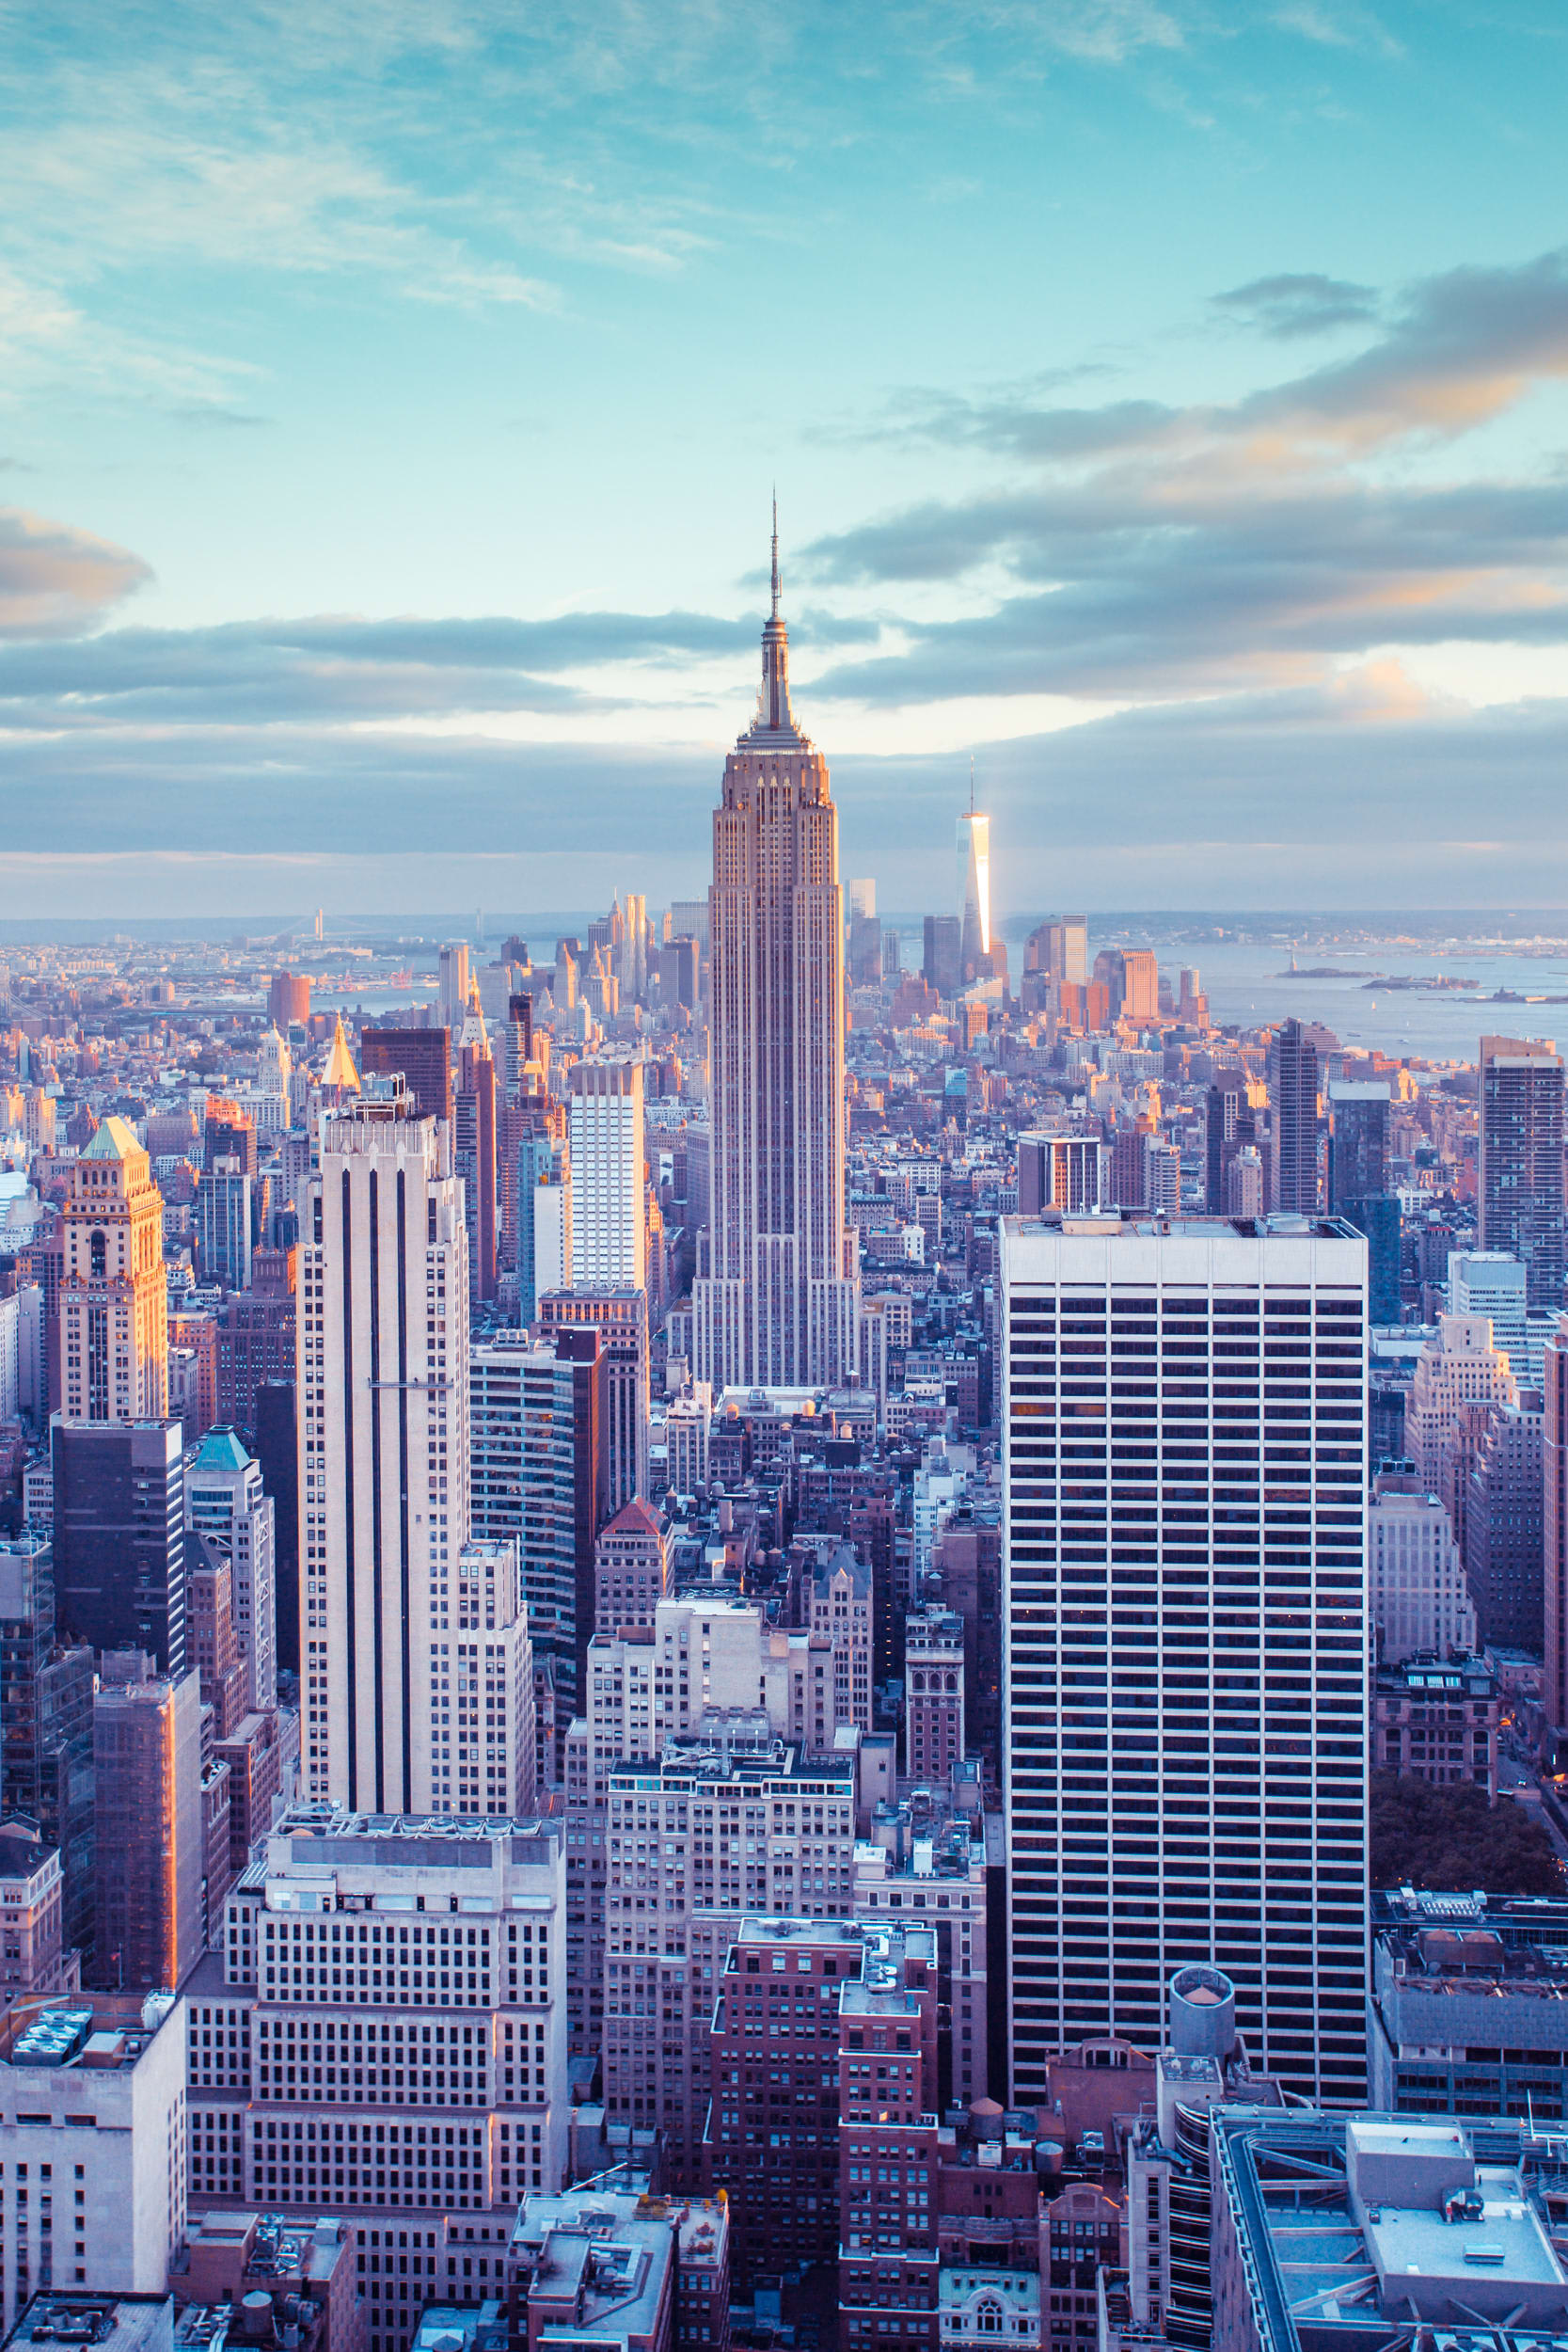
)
(113, 1307)
(1555, 1451)
(474, 1147)
(383, 1449)
(973, 850)
(609, 1245)
(119, 1536)
(777, 1301)
(1229, 1128)
(1293, 1121)
(1521, 1160)
(453, 985)
(225, 1498)
(424, 1057)
(1185, 1750)
(147, 1767)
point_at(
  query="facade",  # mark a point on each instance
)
(1067, 1172)
(256, 1339)
(1358, 1143)
(223, 1224)
(119, 1536)
(114, 1306)
(225, 1498)
(1554, 1452)
(33, 1959)
(1420, 1601)
(1293, 1122)
(973, 848)
(387, 2005)
(152, 1857)
(933, 1693)
(422, 1055)
(1503, 1530)
(726, 1823)
(93, 2195)
(1489, 1283)
(1183, 1589)
(777, 1295)
(541, 1477)
(1520, 1175)
(621, 1316)
(383, 1388)
(1436, 1720)
(1460, 1367)
(888, 2147)
(598, 2267)
(924, 1861)
(1465, 2006)
(46, 1769)
(609, 1245)
(632, 1564)
(542, 1235)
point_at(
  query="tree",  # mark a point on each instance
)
(1450, 1841)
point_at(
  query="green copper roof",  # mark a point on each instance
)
(113, 1140)
(220, 1450)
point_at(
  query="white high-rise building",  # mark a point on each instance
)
(610, 1229)
(1460, 1367)
(225, 1498)
(776, 1300)
(1184, 1423)
(453, 985)
(1490, 1282)
(1420, 1599)
(973, 847)
(383, 1386)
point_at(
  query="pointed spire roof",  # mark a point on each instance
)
(113, 1140)
(220, 1450)
(635, 1518)
(473, 1033)
(340, 1070)
(774, 728)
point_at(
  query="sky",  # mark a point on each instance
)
(1167, 402)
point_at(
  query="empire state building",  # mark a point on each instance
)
(776, 1303)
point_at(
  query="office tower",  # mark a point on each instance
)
(608, 1175)
(1489, 1283)
(687, 1419)
(1192, 1004)
(1161, 1177)
(1244, 1184)
(1419, 1597)
(1293, 1122)
(482, 1688)
(1229, 1128)
(95, 2163)
(114, 1308)
(1553, 1434)
(1377, 1216)
(1140, 984)
(888, 2095)
(223, 1201)
(289, 1000)
(632, 1564)
(146, 1773)
(229, 1133)
(277, 1458)
(424, 1058)
(443, 2097)
(1459, 1367)
(1110, 973)
(219, 1662)
(1503, 1527)
(1358, 1143)
(541, 1473)
(973, 856)
(383, 1447)
(1067, 1172)
(732, 1822)
(1137, 1646)
(933, 1693)
(837, 1609)
(474, 1149)
(866, 951)
(777, 1301)
(941, 958)
(1520, 1176)
(771, 2143)
(46, 1725)
(621, 1317)
(542, 1223)
(119, 1536)
(452, 986)
(863, 896)
(275, 1069)
(632, 949)
(227, 1500)
(1060, 950)
(256, 1340)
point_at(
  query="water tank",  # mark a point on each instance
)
(1202, 2014)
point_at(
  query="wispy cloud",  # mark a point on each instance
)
(1298, 304)
(55, 581)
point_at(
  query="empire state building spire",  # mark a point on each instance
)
(775, 723)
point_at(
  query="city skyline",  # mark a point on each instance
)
(1206, 489)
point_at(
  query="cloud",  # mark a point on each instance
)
(55, 581)
(1303, 303)
(1338, 28)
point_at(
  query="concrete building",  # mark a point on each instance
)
(540, 1476)
(1420, 1601)
(92, 2199)
(1466, 2016)
(1293, 1122)
(113, 1305)
(1503, 1526)
(1137, 1646)
(730, 1820)
(1068, 1172)
(839, 1612)
(304, 2273)
(383, 1449)
(631, 1567)
(933, 1694)
(1436, 1720)
(388, 2005)
(120, 1535)
(620, 1318)
(1459, 1366)
(923, 1858)
(1430, 2222)
(888, 2262)
(225, 1499)
(776, 1297)
(33, 1957)
(609, 1245)
(223, 1224)
(598, 2267)
(47, 1689)
(152, 1861)
(1489, 1283)
(542, 1245)
(424, 1058)
(1520, 1175)
(257, 1341)
(1554, 1457)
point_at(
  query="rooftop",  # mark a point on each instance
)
(121, 2323)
